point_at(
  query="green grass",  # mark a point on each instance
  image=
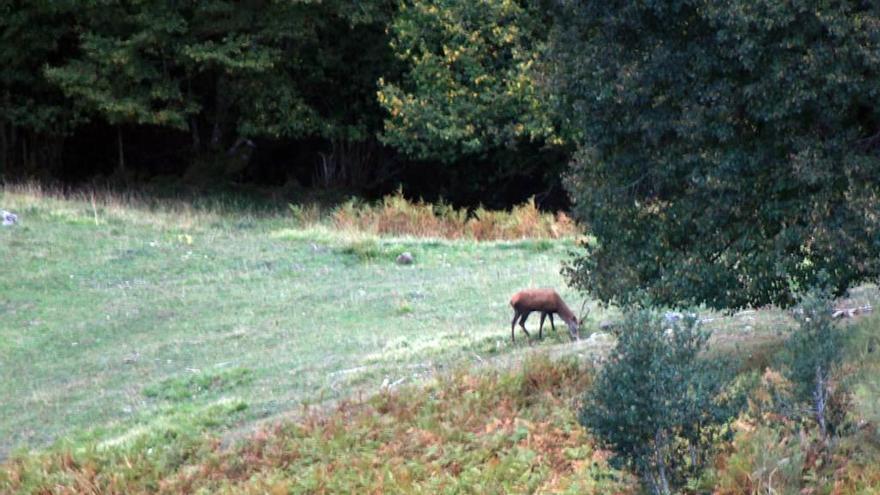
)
(489, 432)
(114, 314)
(143, 337)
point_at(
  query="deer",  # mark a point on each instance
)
(547, 301)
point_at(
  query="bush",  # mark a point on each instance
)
(398, 216)
(763, 459)
(656, 403)
(863, 349)
(814, 350)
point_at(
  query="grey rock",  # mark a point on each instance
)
(8, 217)
(671, 316)
(405, 258)
(600, 338)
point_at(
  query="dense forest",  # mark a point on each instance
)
(443, 98)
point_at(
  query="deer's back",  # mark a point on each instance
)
(535, 300)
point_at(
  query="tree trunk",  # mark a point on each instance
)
(820, 401)
(13, 145)
(221, 109)
(121, 165)
(194, 131)
(25, 163)
(661, 485)
(3, 149)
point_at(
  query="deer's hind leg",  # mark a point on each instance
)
(522, 323)
(553, 325)
(541, 327)
(516, 315)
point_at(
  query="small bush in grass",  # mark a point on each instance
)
(814, 351)
(305, 215)
(656, 403)
(363, 250)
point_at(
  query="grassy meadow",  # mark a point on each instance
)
(227, 347)
(119, 316)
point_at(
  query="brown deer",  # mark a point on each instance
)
(547, 301)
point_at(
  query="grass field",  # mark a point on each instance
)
(161, 345)
(116, 318)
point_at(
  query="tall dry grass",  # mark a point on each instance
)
(395, 215)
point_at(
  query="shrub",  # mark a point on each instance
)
(863, 351)
(396, 215)
(763, 459)
(814, 350)
(656, 403)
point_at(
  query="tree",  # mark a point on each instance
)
(34, 115)
(227, 71)
(814, 351)
(657, 403)
(471, 81)
(727, 151)
(137, 63)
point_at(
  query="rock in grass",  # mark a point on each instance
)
(600, 338)
(8, 217)
(405, 258)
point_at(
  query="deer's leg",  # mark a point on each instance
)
(522, 323)
(551, 322)
(513, 325)
(541, 327)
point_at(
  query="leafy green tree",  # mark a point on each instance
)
(34, 115)
(728, 151)
(657, 403)
(139, 63)
(471, 80)
(227, 71)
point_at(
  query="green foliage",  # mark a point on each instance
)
(218, 70)
(728, 151)
(154, 64)
(863, 347)
(34, 115)
(452, 81)
(656, 403)
(472, 77)
(363, 250)
(765, 459)
(814, 351)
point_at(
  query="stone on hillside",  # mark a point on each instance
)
(8, 218)
(600, 338)
(671, 316)
(405, 258)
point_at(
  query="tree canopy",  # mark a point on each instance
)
(472, 79)
(727, 152)
(362, 91)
